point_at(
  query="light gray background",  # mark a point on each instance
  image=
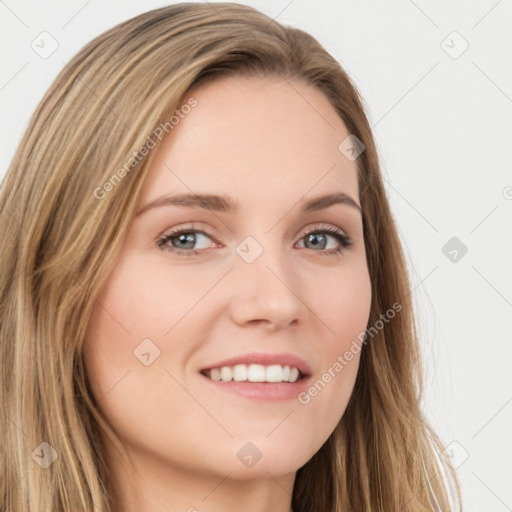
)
(442, 122)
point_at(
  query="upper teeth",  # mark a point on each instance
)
(254, 373)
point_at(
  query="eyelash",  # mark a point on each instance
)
(343, 239)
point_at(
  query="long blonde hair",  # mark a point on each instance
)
(61, 237)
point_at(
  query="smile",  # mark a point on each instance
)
(254, 373)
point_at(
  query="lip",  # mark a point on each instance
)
(266, 359)
(262, 391)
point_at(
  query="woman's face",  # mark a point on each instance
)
(265, 279)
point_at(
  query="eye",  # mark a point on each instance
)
(313, 239)
(183, 241)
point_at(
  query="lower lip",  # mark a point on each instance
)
(262, 390)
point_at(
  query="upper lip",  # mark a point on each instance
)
(265, 359)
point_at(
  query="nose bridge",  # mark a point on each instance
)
(266, 284)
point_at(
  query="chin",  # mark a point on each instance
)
(257, 458)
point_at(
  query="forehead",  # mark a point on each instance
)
(254, 137)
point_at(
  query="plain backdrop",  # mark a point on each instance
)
(436, 78)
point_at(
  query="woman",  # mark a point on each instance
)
(205, 304)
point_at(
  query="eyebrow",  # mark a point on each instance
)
(225, 204)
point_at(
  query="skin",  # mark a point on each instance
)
(266, 145)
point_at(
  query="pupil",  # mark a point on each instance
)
(183, 238)
(314, 239)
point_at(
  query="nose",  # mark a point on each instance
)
(267, 291)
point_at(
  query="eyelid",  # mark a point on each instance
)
(196, 227)
(319, 226)
(199, 226)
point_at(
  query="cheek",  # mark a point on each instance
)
(343, 310)
(128, 393)
(123, 315)
(140, 300)
(137, 303)
(343, 304)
